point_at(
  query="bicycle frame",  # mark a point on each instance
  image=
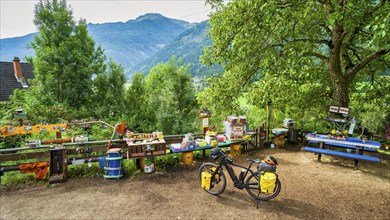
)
(238, 183)
(342, 124)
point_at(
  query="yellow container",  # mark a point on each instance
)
(187, 158)
(267, 182)
(235, 150)
(206, 180)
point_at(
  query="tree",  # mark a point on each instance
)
(109, 91)
(65, 55)
(136, 101)
(172, 106)
(303, 52)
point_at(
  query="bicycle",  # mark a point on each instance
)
(250, 183)
(347, 123)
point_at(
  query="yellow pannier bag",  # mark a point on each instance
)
(206, 180)
(268, 182)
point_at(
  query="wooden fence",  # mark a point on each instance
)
(92, 150)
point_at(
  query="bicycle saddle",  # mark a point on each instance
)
(254, 160)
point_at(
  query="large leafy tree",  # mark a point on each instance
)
(65, 55)
(172, 106)
(297, 52)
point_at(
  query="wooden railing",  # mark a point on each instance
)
(95, 149)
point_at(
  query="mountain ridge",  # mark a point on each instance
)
(135, 42)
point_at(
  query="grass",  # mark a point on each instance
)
(16, 178)
(387, 152)
(93, 169)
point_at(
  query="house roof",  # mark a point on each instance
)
(8, 81)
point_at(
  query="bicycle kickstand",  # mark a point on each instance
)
(257, 203)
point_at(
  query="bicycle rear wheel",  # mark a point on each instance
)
(255, 191)
(218, 184)
(323, 126)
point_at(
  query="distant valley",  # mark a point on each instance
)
(137, 44)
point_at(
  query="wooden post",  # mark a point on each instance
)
(261, 142)
(58, 165)
(256, 138)
(320, 145)
(357, 161)
(141, 163)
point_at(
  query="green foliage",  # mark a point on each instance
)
(65, 56)
(171, 98)
(12, 141)
(136, 104)
(167, 160)
(372, 115)
(302, 55)
(16, 178)
(164, 100)
(84, 170)
(109, 91)
(98, 132)
(129, 166)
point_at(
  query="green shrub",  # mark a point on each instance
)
(15, 178)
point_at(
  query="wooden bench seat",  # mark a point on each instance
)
(342, 154)
(345, 146)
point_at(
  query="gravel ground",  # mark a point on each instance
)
(330, 189)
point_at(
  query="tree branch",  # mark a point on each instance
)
(366, 18)
(350, 74)
(343, 5)
(347, 60)
(320, 41)
(354, 52)
(319, 56)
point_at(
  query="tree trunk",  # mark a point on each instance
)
(340, 93)
(340, 83)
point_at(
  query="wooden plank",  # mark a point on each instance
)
(46, 154)
(23, 156)
(173, 140)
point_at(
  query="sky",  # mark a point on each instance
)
(17, 15)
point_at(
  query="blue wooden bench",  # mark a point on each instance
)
(345, 146)
(354, 156)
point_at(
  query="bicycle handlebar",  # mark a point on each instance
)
(230, 160)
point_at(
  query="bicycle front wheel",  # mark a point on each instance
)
(358, 129)
(254, 188)
(219, 181)
(323, 126)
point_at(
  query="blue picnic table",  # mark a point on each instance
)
(220, 144)
(349, 142)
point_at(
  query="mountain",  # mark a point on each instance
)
(15, 47)
(127, 43)
(188, 46)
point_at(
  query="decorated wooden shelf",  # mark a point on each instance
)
(146, 148)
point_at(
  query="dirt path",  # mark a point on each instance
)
(328, 190)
